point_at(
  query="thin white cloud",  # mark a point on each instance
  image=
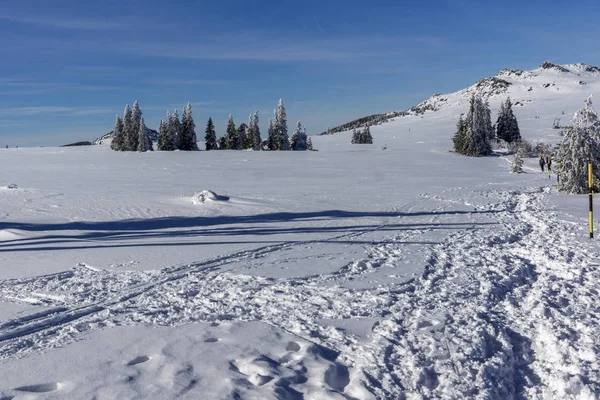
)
(241, 47)
(94, 111)
(65, 22)
(24, 111)
(49, 110)
(172, 107)
(186, 82)
(318, 25)
(19, 85)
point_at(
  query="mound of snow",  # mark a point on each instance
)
(206, 196)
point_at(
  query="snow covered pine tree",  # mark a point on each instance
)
(118, 136)
(232, 138)
(580, 145)
(472, 137)
(298, 140)
(507, 127)
(211, 136)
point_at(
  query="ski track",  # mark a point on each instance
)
(502, 312)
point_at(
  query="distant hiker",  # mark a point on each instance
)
(549, 162)
(542, 162)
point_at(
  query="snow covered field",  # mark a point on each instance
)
(348, 273)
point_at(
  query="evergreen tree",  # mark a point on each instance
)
(255, 135)
(187, 138)
(271, 139)
(243, 136)
(580, 145)
(491, 132)
(175, 129)
(362, 136)
(460, 135)
(282, 140)
(501, 123)
(517, 165)
(253, 140)
(309, 145)
(232, 138)
(476, 136)
(249, 141)
(366, 137)
(128, 127)
(144, 142)
(164, 142)
(118, 137)
(133, 132)
(211, 136)
(298, 140)
(356, 139)
(171, 131)
(136, 114)
(222, 143)
(513, 125)
(507, 127)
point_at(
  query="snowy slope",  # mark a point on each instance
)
(539, 96)
(348, 273)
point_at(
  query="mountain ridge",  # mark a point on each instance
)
(488, 88)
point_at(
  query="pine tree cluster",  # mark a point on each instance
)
(362, 136)
(580, 145)
(247, 136)
(507, 127)
(475, 131)
(174, 134)
(130, 133)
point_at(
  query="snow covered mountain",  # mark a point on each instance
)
(548, 92)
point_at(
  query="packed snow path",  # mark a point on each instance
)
(506, 308)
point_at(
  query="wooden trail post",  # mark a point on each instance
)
(591, 197)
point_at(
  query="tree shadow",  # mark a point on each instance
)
(255, 226)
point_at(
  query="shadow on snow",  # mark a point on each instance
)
(210, 227)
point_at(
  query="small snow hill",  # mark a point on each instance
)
(539, 97)
(107, 138)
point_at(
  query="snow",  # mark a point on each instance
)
(406, 273)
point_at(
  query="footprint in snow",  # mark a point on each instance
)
(41, 388)
(138, 360)
(293, 346)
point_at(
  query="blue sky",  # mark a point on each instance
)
(68, 67)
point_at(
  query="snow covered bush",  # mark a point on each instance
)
(517, 165)
(529, 149)
(298, 140)
(580, 145)
(556, 123)
(207, 196)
